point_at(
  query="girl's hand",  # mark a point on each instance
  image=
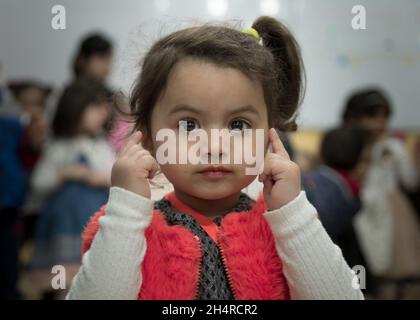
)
(281, 176)
(134, 167)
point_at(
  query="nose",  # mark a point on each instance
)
(219, 145)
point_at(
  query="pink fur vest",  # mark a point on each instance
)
(171, 266)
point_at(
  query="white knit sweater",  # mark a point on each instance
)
(111, 269)
(59, 154)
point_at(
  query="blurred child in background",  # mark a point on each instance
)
(31, 97)
(72, 175)
(23, 127)
(334, 187)
(93, 60)
(387, 226)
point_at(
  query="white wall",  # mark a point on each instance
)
(338, 58)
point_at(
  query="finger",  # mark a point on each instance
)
(134, 150)
(277, 145)
(150, 165)
(134, 139)
(275, 168)
(262, 177)
(265, 168)
(140, 153)
(268, 185)
(154, 170)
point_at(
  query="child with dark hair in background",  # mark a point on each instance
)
(387, 227)
(72, 176)
(93, 60)
(334, 187)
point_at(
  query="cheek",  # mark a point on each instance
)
(97, 117)
(176, 174)
(256, 146)
(87, 118)
(104, 114)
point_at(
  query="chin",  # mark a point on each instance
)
(213, 195)
(216, 191)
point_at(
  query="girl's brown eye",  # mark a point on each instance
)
(239, 125)
(188, 124)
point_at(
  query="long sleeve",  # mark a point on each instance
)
(111, 268)
(45, 176)
(313, 265)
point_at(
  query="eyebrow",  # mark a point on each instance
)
(184, 107)
(244, 109)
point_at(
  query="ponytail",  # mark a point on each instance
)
(290, 70)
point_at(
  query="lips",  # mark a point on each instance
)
(215, 172)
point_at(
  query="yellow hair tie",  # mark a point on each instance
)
(252, 32)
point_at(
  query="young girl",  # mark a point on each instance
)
(72, 176)
(207, 240)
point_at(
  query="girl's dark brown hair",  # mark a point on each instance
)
(277, 64)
